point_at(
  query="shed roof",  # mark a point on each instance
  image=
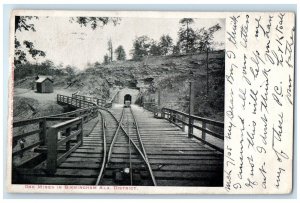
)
(43, 78)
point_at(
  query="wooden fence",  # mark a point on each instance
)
(63, 135)
(182, 119)
(43, 132)
(99, 102)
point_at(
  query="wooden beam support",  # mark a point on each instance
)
(191, 110)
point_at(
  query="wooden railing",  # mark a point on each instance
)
(99, 102)
(63, 135)
(205, 125)
(77, 103)
(38, 130)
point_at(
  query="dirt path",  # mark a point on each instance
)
(42, 98)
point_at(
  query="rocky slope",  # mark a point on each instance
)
(172, 74)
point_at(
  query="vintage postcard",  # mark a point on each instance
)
(151, 102)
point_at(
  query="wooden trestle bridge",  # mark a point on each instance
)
(104, 144)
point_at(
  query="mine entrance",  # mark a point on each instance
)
(127, 97)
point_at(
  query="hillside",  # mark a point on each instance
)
(30, 104)
(170, 74)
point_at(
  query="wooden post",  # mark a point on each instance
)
(68, 132)
(203, 132)
(51, 150)
(174, 118)
(183, 120)
(43, 128)
(163, 114)
(191, 110)
(158, 99)
(80, 136)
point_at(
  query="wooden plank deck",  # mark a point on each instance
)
(176, 160)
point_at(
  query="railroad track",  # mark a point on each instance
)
(118, 150)
(125, 160)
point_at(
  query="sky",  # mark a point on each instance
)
(70, 44)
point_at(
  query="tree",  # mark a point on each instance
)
(110, 50)
(23, 23)
(97, 64)
(186, 35)
(70, 70)
(94, 22)
(205, 38)
(166, 43)
(20, 56)
(141, 47)
(106, 59)
(155, 49)
(176, 49)
(120, 52)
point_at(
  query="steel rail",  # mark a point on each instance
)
(142, 146)
(104, 149)
(129, 148)
(115, 136)
(104, 162)
(106, 157)
(137, 148)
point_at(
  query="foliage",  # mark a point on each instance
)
(45, 68)
(97, 64)
(141, 47)
(144, 46)
(94, 22)
(70, 70)
(165, 44)
(190, 40)
(110, 50)
(205, 38)
(106, 59)
(155, 49)
(186, 21)
(176, 49)
(186, 36)
(21, 24)
(120, 52)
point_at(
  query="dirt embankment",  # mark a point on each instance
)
(28, 104)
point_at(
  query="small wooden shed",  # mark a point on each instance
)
(44, 84)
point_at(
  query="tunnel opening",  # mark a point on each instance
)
(127, 97)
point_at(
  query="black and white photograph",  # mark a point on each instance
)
(118, 101)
